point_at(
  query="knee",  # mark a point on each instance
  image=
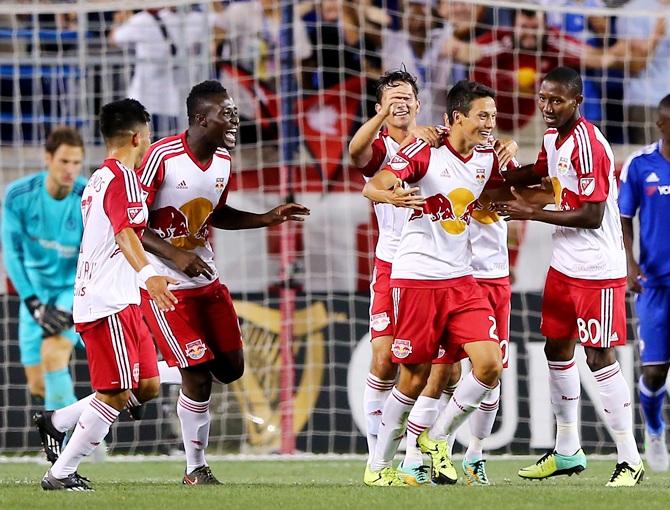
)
(383, 367)
(655, 376)
(116, 399)
(559, 350)
(36, 386)
(489, 371)
(598, 359)
(197, 384)
(149, 389)
(413, 382)
(55, 355)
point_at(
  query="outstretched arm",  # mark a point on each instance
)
(185, 261)
(385, 187)
(229, 218)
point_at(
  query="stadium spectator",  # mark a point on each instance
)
(644, 89)
(645, 191)
(41, 233)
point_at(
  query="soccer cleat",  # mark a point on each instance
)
(51, 438)
(475, 472)
(625, 475)
(72, 482)
(387, 477)
(200, 476)
(554, 464)
(442, 470)
(656, 451)
(414, 475)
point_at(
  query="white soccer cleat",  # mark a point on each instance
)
(656, 451)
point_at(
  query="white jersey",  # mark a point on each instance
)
(581, 168)
(390, 219)
(488, 235)
(435, 242)
(106, 283)
(181, 196)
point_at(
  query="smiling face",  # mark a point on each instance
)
(478, 125)
(220, 120)
(404, 113)
(558, 104)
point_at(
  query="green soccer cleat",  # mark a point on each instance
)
(475, 472)
(442, 470)
(554, 464)
(415, 475)
(387, 477)
(625, 475)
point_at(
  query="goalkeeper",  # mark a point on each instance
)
(41, 233)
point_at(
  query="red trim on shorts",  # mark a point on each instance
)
(503, 280)
(588, 284)
(383, 264)
(431, 284)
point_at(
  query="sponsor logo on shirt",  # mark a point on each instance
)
(379, 321)
(587, 185)
(652, 177)
(195, 349)
(182, 185)
(662, 190)
(453, 211)
(401, 348)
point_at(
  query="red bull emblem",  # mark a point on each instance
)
(379, 321)
(453, 211)
(480, 175)
(136, 372)
(438, 206)
(563, 166)
(220, 184)
(169, 222)
(401, 348)
(195, 349)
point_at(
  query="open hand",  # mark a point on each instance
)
(157, 287)
(517, 209)
(191, 264)
(285, 212)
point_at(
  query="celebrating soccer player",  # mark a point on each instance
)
(584, 294)
(112, 263)
(41, 232)
(186, 177)
(645, 186)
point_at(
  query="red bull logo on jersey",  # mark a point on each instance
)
(563, 166)
(482, 213)
(565, 199)
(195, 349)
(480, 175)
(186, 227)
(453, 211)
(401, 348)
(220, 184)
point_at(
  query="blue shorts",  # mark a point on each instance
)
(653, 310)
(31, 334)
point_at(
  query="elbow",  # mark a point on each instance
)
(593, 223)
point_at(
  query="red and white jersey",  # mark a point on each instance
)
(390, 219)
(181, 196)
(581, 167)
(435, 242)
(106, 283)
(488, 236)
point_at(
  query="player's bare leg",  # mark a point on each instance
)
(55, 353)
(652, 395)
(423, 415)
(227, 367)
(35, 382)
(378, 387)
(615, 396)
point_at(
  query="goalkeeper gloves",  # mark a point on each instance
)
(52, 320)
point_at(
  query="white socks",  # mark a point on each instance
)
(391, 429)
(194, 418)
(565, 391)
(92, 427)
(66, 418)
(481, 424)
(615, 395)
(422, 416)
(168, 374)
(467, 397)
(374, 396)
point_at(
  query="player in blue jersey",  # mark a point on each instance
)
(645, 191)
(41, 233)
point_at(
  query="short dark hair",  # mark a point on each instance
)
(200, 92)
(462, 94)
(391, 78)
(568, 77)
(528, 13)
(122, 115)
(63, 135)
(665, 102)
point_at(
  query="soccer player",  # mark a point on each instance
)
(112, 262)
(584, 294)
(436, 301)
(645, 186)
(41, 232)
(186, 179)
(371, 148)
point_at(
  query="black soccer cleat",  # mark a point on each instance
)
(51, 438)
(72, 482)
(200, 476)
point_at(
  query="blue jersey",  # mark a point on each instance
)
(41, 236)
(645, 185)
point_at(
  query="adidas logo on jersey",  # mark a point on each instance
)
(182, 185)
(652, 177)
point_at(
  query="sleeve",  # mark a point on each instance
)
(496, 179)
(378, 156)
(541, 166)
(411, 163)
(13, 235)
(629, 194)
(129, 32)
(123, 202)
(593, 165)
(151, 175)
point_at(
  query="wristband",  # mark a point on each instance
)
(147, 272)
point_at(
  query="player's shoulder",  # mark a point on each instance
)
(416, 148)
(588, 136)
(222, 153)
(165, 147)
(24, 186)
(640, 159)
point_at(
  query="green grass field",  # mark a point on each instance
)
(327, 484)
